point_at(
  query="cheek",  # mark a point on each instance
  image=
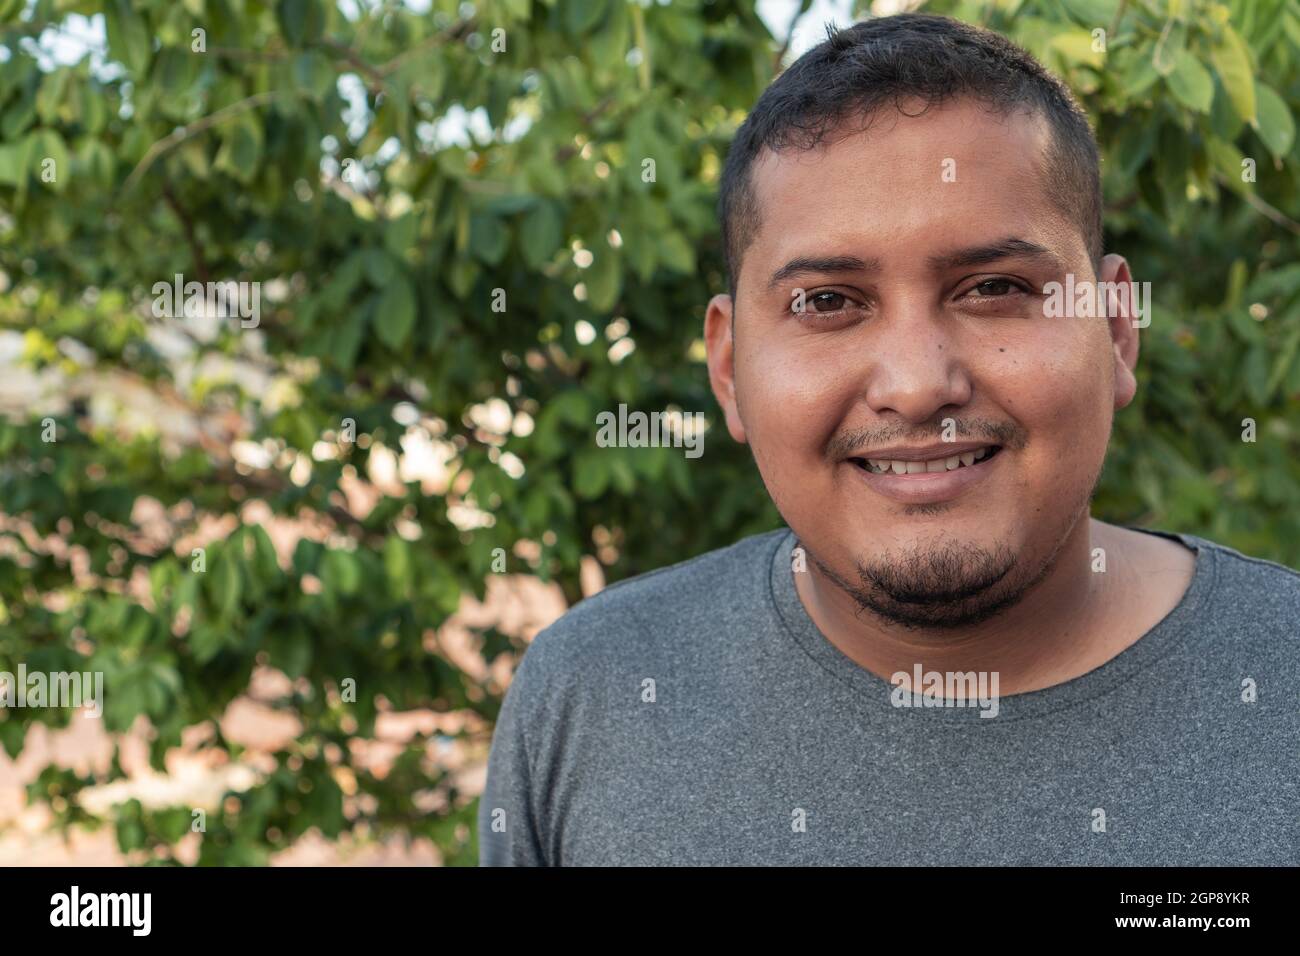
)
(791, 401)
(1061, 392)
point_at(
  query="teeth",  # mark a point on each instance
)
(882, 466)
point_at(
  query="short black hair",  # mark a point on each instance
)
(892, 60)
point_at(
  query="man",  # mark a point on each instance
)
(944, 660)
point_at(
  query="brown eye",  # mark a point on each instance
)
(995, 287)
(827, 302)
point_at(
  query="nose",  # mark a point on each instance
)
(916, 368)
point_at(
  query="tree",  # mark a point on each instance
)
(482, 225)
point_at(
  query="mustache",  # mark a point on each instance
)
(843, 443)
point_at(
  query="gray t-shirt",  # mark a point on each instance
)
(696, 716)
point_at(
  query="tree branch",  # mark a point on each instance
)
(1271, 213)
(456, 32)
(566, 153)
(353, 59)
(176, 137)
(200, 264)
(789, 38)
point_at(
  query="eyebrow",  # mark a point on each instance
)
(808, 265)
(973, 256)
(981, 255)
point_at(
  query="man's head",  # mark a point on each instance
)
(892, 211)
(909, 61)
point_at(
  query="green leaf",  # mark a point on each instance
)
(1256, 373)
(186, 592)
(541, 233)
(487, 238)
(381, 268)
(341, 572)
(581, 15)
(400, 234)
(1191, 83)
(397, 565)
(307, 556)
(591, 473)
(1165, 51)
(267, 562)
(161, 578)
(92, 114)
(225, 584)
(131, 833)
(621, 472)
(1275, 125)
(1075, 46)
(174, 824)
(347, 337)
(13, 163)
(50, 95)
(1268, 285)
(676, 253)
(1286, 355)
(291, 650)
(1224, 121)
(345, 279)
(204, 641)
(603, 278)
(18, 117)
(1139, 74)
(128, 37)
(1226, 159)
(610, 44)
(1231, 61)
(13, 733)
(301, 21)
(241, 149)
(313, 72)
(50, 147)
(1092, 12)
(395, 313)
(1135, 148)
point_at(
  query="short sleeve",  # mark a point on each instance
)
(507, 826)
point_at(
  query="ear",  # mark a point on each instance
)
(1123, 322)
(721, 348)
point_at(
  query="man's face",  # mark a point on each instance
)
(933, 315)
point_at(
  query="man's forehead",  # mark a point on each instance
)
(962, 128)
(906, 172)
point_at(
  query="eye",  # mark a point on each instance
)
(995, 287)
(827, 301)
(996, 294)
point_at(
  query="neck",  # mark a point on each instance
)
(1055, 632)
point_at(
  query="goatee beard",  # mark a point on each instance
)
(954, 585)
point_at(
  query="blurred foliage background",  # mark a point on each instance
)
(461, 262)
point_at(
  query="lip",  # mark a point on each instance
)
(944, 449)
(927, 487)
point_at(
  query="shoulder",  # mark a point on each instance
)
(1250, 595)
(655, 613)
(1257, 575)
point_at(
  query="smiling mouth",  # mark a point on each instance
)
(893, 466)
